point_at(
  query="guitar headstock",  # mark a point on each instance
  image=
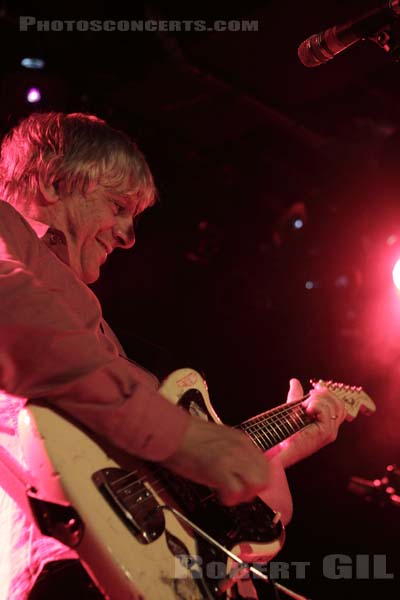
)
(355, 399)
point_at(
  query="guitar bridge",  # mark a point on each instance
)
(132, 502)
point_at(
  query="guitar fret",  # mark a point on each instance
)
(258, 443)
(296, 421)
(299, 415)
(264, 435)
(272, 438)
(267, 434)
(286, 430)
(292, 423)
(279, 435)
(255, 430)
(258, 439)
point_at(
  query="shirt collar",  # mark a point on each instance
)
(53, 238)
(38, 227)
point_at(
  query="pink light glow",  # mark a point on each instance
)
(396, 274)
(33, 95)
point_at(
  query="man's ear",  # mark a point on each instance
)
(49, 192)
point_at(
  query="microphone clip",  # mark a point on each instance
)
(388, 38)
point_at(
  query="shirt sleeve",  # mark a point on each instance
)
(45, 352)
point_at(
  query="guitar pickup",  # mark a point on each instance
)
(132, 502)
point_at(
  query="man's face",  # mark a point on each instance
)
(94, 225)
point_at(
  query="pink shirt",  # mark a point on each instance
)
(54, 344)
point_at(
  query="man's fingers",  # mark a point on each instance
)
(243, 481)
(222, 458)
(325, 405)
(235, 492)
(238, 490)
(296, 391)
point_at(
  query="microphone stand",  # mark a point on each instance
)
(384, 491)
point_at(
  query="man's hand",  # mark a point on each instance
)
(221, 458)
(328, 412)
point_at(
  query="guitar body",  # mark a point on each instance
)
(116, 510)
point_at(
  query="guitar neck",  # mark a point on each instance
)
(276, 425)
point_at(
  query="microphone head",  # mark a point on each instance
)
(321, 47)
(308, 52)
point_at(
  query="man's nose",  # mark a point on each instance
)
(124, 233)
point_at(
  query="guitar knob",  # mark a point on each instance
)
(73, 525)
(277, 518)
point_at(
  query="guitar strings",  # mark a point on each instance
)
(267, 439)
(276, 412)
(275, 419)
(154, 483)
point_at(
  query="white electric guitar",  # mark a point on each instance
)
(142, 532)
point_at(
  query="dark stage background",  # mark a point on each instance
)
(243, 141)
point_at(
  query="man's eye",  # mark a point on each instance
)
(118, 208)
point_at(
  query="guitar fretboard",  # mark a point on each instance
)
(275, 425)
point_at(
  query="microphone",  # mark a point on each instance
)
(321, 47)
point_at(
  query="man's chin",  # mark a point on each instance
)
(87, 271)
(90, 276)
